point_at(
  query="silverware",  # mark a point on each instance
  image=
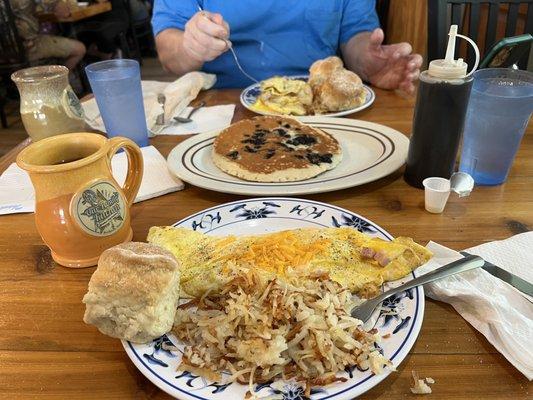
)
(513, 280)
(238, 64)
(187, 119)
(160, 119)
(228, 43)
(364, 311)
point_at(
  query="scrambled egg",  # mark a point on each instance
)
(284, 96)
(351, 258)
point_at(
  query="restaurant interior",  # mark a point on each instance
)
(203, 199)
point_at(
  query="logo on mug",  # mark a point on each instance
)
(99, 209)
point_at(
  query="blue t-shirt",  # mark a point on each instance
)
(273, 37)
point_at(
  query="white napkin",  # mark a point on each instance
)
(17, 194)
(16, 191)
(499, 311)
(178, 95)
(157, 179)
(204, 120)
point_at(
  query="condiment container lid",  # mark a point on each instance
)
(449, 68)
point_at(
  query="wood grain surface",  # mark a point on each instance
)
(47, 351)
(77, 14)
(407, 22)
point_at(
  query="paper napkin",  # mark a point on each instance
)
(157, 179)
(178, 95)
(204, 120)
(500, 312)
(16, 191)
(17, 195)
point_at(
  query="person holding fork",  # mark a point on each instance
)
(279, 37)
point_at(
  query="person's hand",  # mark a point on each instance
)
(62, 10)
(390, 66)
(206, 36)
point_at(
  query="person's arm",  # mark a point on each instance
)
(59, 7)
(203, 39)
(62, 9)
(352, 51)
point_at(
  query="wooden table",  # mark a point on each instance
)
(77, 14)
(46, 349)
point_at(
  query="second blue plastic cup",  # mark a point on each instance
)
(500, 106)
(116, 85)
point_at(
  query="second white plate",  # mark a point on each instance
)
(370, 152)
(250, 95)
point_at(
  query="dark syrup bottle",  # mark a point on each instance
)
(441, 104)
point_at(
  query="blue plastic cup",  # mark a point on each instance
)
(501, 103)
(116, 85)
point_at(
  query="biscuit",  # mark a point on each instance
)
(134, 292)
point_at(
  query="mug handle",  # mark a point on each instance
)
(135, 165)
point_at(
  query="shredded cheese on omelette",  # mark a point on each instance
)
(276, 253)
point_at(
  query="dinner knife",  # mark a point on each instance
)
(513, 280)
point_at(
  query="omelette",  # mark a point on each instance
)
(356, 261)
(284, 96)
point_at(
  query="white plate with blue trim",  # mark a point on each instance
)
(261, 215)
(250, 95)
(370, 151)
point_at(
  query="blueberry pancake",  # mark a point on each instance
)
(275, 149)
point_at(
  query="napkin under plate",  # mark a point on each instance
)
(17, 194)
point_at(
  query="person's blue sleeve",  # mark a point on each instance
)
(358, 16)
(172, 14)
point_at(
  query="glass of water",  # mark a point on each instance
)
(500, 105)
(116, 85)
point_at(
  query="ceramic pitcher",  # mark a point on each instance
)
(48, 105)
(80, 208)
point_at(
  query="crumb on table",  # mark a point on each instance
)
(420, 386)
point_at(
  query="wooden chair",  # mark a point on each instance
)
(139, 29)
(475, 17)
(12, 53)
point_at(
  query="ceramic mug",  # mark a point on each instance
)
(80, 209)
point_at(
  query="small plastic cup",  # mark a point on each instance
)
(437, 191)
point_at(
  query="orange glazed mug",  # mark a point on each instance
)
(80, 209)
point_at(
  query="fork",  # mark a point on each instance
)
(228, 43)
(187, 119)
(364, 311)
(161, 99)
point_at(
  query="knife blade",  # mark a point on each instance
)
(513, 280)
